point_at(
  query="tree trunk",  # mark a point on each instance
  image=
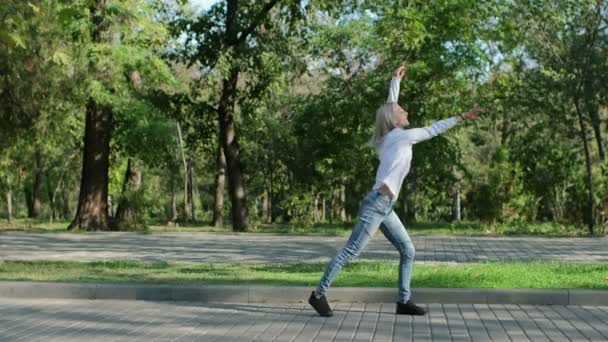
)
(255, 210)
(586, 84)
(332, 205)
(323, 205)
(65, 198)
(220, 178)
(60, 187)
(236, 185)
(202, 191)
(597, 130)
(27, 194)
(111, 210)
(92, 211)
(174, 214)
(36, 193)
(129, 211)
(191, 190)
(267, 208)
(589, 179)
(269, 218)
(52, 196)
(456, 213)
(342, 202)
(228, 135)
(9, 206)
(185, 165)
(271, 196)
(37, 187)
(315, 208)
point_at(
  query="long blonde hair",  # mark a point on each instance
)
(384, 123)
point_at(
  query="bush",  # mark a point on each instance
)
(500, 196)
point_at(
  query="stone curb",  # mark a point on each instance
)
(290, 294)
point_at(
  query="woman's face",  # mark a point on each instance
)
(400, 117)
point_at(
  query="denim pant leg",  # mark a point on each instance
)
(395, 232)
(371, 214)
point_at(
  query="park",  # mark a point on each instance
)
(303, 170)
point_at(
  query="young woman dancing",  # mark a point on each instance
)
(394, 146)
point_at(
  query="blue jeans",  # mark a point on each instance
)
(376, 211)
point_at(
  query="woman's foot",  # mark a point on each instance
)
(320, 304)
(409, 308)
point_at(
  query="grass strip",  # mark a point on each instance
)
(423, 228)
(538, 275)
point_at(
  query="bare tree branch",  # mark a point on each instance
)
(544, 40)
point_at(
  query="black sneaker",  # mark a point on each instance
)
(320, 305)
(409, 308)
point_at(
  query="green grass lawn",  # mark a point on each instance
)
(543, 229)
(542, 275)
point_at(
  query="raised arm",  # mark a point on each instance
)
(393, 92)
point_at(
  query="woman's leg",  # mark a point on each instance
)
(371, 214)
(395, 232)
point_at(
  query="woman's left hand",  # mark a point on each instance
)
(474, 113)
(400, 71)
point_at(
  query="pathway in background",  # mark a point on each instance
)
(263, 248)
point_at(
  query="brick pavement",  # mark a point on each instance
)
(111, 320)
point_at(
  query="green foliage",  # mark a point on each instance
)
(499, 195)
(311, 76)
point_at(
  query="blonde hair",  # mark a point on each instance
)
(384, 123)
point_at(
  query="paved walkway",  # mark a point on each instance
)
(82, 320)
(265, 248)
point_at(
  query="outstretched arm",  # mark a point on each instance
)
(417, 135)
(393, 92)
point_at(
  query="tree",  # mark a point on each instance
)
(246, 40)
(568, 46)
(124, 65)
(130, 209)
(92, 211)
(41, 93)
(18, 23)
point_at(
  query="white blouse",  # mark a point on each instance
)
(396, 148)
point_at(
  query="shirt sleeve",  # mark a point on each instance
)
(393, 92)
(416, 135)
